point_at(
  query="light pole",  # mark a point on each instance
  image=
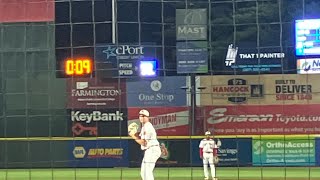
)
(193, 101)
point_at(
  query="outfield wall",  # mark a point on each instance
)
(181, 151)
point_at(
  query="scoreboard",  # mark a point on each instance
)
(307, 35)
(107, 61)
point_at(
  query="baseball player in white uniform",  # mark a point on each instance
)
(149, 144)
(208, 148)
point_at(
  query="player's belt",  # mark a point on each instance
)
(154, 145)
(151, 147)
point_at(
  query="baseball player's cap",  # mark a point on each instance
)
(144, 112)
(207, 133)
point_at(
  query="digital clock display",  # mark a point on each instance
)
(78, 67)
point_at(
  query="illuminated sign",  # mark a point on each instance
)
(148, 68)
(123, 60)
(78, 67)
(246, 58)
(307, 37)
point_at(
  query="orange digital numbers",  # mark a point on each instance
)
(78, 66)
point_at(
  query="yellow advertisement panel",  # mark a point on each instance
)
(260, 89)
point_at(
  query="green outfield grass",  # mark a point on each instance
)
(249, 173)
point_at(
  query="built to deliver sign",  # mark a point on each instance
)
(283, 152)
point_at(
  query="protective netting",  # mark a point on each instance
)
(255, 95)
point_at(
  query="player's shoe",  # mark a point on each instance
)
(214, 178)
(206, 178)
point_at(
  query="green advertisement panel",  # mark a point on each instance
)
(283, 152)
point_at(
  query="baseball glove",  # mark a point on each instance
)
(215, 159)
(133, 128)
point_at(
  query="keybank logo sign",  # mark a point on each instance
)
(308, 66)
(114, 51)
(88, 117)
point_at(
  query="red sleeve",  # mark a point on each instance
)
(201, 152)
(215, 151)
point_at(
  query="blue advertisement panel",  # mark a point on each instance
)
(192, 57)
(99, 153)
(233, 152)
(317, 141)
(161, 91)
(283, 152)
(122, 60)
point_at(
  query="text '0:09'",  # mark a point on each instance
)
(78, 66)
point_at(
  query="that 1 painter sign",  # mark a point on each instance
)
(283, 152)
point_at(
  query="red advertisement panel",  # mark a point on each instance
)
(171, 121)
(88, 93)
(261, 119)
(27, 10)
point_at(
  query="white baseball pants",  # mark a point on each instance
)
(151, 155)
(208, 160)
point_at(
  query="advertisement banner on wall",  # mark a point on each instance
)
(233, 152)
(191, 24)
(192, 57)
(168, 121)
(308, 66)
(247, 58)
(317, 141)
(98, 122)
(262, 89)
(88, 93)
(99, 153)
(262, 120)
(283, 152)
(162, 91)
(173, 153)
(122, 60)
(27, 11)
